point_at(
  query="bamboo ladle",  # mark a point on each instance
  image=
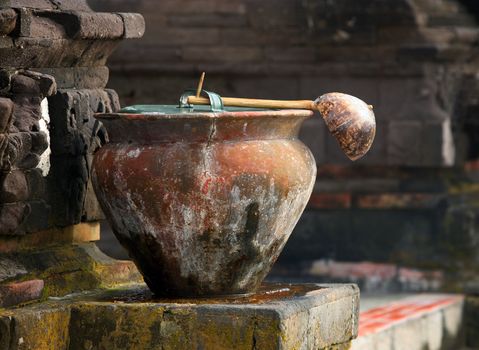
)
(348, 118)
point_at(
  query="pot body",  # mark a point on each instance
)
(204, 202)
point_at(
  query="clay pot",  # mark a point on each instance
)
(204, 202)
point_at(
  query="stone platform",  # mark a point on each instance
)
(279, 316)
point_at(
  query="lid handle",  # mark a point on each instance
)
(216, 102)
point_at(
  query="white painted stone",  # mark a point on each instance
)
(44, 164)
(448, 149)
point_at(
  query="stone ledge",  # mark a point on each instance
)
(80, 25)
(80, 233)
(63, 269)
(78, 77)
(320, 317)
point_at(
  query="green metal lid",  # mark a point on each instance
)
(216, 105)
(175, 109)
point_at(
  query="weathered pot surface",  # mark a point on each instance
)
(204, 202)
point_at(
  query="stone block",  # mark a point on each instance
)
(83, 25)
(65, 267)
(42, 328)
(38, 219)
(208, 20)
(78, 77)
(6, 110)
(290, 54)
(67, 193)
(8, 21)
(12, 216)
(415, 98)
(10, 268)
(23, 150)
(221, 54)
(405, 142)
(24, 85)
(91, 25)
(36, 183)
(20, 292)
(134, 25)
(13, 187)
(184, 36)
(74, 129)
(40, 52)
(41, 4)
(317, 320)
(46, 83)
(52, 237)
(196, 7)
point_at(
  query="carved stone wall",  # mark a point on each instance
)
(52, 81)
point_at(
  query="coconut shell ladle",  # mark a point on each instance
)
(348, 118)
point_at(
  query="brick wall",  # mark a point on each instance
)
(407, 58)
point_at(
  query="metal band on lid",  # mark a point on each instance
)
(216, 102)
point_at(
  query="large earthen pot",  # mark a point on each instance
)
(204, 202)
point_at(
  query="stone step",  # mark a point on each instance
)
(423, 321)
(286, 316)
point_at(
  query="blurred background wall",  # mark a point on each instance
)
(413, 201)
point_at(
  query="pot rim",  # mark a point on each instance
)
(283, 113)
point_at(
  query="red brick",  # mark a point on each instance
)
(398, 200)
(374, 320)
(20, 292)
(472, 166)
(330, 200)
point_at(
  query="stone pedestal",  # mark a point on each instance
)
(306, 316)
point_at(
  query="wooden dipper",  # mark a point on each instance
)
(348, 118)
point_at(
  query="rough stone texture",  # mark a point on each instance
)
(14, 187)
(134, 25)
(74, 234)
(8, 21)
(78, 77)
(76, 135)
(324, 318)
(47, 138)
(62, 269)
(20, 292)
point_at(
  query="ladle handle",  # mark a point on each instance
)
(256, 103)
